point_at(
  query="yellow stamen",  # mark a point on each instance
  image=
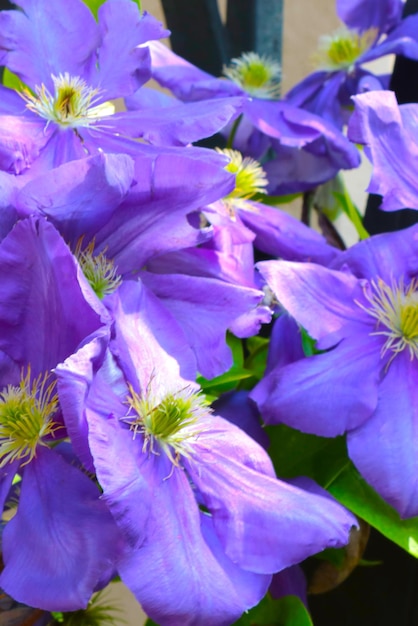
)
(395, 309)
(99, 271)
(258, 75)
(26, 413)
(342, 49)
(250, 178)
(170, 424)
(72, 105)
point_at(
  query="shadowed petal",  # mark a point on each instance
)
(385, 448)
(67, 541)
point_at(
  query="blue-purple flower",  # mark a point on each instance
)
(61, 543)
(65, 112)
(371, 30)
(205, 521)
(364, 381)
(389, 133)
(308, 149)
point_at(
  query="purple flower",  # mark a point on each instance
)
(371, 30)
(61, 544)
(364, 382)
(389, 133)
(205, 520)
(267, 122)
(74, 67)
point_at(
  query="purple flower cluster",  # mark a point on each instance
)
(127, 265)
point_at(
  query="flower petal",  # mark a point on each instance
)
(385, 448)
(65, 32)
(326, 394)
(263, 524)
(62, 542)
(188, 579)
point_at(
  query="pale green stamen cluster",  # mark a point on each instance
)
(99, 271)
(258, 75)
(250, 176)
(395, 309)
(26, 413)
(170, 425)
(341, 50)
(72, 105)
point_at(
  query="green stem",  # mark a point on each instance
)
(233, 132)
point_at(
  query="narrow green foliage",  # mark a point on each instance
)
(352, 213)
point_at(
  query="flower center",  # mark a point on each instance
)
(170, 424)
(72, 105)
(250, 178)
(257, 75)
(395, 309)
(99, 271)
(26, 413)
(342, 49)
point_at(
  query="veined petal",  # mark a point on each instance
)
(188, 580)
(388, 256)
(21, 141)
(123, 66)
(46, 38)
(204, 308)
(67, 541)
(280, 234)
(153, 218)
(120, 468)
(254, 514)
(338, 389)
(323, 301)
(384, 448)
(46, 307)
(76, 377)
(79, 196)
(389, 132)
(148, 341)
(180, 124)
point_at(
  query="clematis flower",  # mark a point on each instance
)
(266, 122)
(66, 113)
(370, 30)
(364, 383)
(205, 520)
(116, 228)
(61, 544)
(389, 133)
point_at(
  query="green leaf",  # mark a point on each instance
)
(288, 611)
(297, 454)
(256, 360)
(352, 491)
(214, 387)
